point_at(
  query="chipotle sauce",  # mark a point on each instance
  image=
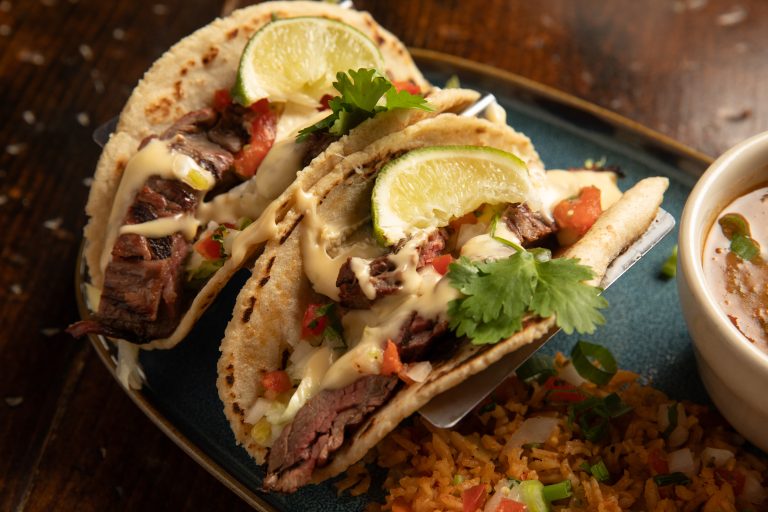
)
(740, 283)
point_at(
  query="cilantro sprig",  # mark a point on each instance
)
(498, 295)
(360, 92)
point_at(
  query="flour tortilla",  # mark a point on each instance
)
(184, 79)
(270, 306)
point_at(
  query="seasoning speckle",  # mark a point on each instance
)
(733, 114)
(31, 56)
(88, 181)
(733, 17)
(50, 331)
(53, 223)
(118, 34)
(5, 6)
(14, 401)
(28, 116)
(3, 199)
(15, 149)
(5, 30)
(86, 52)
(160, 9)
(16, 289)
(83, 119)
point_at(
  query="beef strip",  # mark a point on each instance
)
(530, 227)
(143, 294)
(232, 130)
(384, 276)
(417, 336)
(316, 143)
(319, 429)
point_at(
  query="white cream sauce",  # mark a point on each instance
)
(164, 226)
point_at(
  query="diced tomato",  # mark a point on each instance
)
(473, 498)
(406, 86)
(221, 99)
(658, 462)
(400, 505)
(561, 391)
(391, 364)
(314, 323)
(575, 216)
(325, 102)
(507, 505)
(263, 130)
(735, 478)
(441, 263)
(209, 248)
(277, 381)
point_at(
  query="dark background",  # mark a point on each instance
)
(70, 439)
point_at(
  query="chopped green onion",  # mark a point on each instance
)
(558, 491)
(583, 353)
(584, 466)
(593, 415)
(599, 471)
(744, 247)
(669, 268)
(242, 223)
(672, 418)
(453, 82)
(490, 406)
(529, 446)
(676, 478)
(457, 479)
(537, 367)
(532, 494)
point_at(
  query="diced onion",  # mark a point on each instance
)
(533, 430)
(257, 411)
(468, 231)
(569, 374)
(419, 372)
(715, 456)
(500, 492)
(753, 491)
(681, 461)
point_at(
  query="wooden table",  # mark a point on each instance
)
(69, 437)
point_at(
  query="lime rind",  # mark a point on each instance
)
(426, 188)
(296, 60)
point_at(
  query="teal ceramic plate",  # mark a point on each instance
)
(645, 328)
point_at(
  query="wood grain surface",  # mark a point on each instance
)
(70, 439)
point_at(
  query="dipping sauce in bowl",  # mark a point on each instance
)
(736, 267)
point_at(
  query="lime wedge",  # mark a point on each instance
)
(428, 187)
(296, 59)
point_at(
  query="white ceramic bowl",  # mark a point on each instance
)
(733, 370)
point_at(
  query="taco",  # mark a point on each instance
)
(352, 320)
(183, 192)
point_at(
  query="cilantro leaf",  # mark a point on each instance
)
(499, 294)
(360, 97)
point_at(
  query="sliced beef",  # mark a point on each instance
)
(232, 130)
(315, 144)
(417, 338)
(529, 226)
(383, 273)
(385, 279)
(319, 429)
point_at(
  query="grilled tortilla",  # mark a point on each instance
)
(266, 325)
(183, 80)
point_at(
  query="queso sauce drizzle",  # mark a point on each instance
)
(741, 287)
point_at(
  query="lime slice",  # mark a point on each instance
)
(428, 187)
(296, 59)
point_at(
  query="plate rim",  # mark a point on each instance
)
(419, 54)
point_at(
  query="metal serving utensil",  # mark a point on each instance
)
(447, 409)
